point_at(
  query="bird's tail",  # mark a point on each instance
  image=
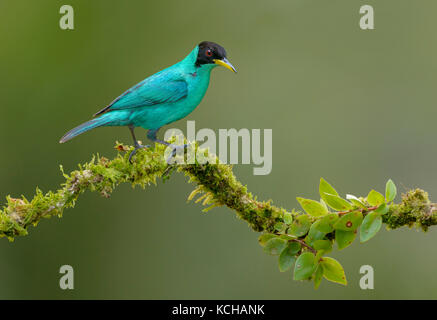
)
(84, 127)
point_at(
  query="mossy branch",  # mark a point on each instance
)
(216, 186)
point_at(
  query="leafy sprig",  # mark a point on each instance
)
(304, 241)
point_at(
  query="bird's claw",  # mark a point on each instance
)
(137, 147)
(174, 151)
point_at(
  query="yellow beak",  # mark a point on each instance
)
(225, 63)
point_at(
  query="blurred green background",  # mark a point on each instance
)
(355, 107)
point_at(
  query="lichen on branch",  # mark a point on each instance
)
(301, 237)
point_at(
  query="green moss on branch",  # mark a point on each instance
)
(216, 182)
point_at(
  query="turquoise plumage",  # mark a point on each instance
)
(162, 98)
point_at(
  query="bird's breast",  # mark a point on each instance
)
(197, 90)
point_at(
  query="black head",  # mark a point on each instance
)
(212, 53)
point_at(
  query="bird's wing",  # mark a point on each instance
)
(148, 93)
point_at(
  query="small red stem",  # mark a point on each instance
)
(360, 209)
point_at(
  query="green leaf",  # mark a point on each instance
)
(325, 245)
(336, 203)
(288, 218)
(325, 187)
(305, 266)
(275, 246)
(355, 201)
(312, 207)
(390, 191)
(314, 235)
(286, 237)
(318, 276)
(333, 271)
(323, 203)
(287, 257)
(326, 224)
(344, 238)
(374, 198)
(370, 227)
(320, 228)
(263, 238)
(382, 209)
(319, 255)
(300, 226)
(294, 247)
(279, 226)
(349, 222)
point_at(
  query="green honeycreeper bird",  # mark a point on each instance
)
(165, 97)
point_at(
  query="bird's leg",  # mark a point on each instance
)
(136, 144)
(151, 134)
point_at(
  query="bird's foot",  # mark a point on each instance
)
(174, 151)
(137, 147)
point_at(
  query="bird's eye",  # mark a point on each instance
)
(208, 53)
